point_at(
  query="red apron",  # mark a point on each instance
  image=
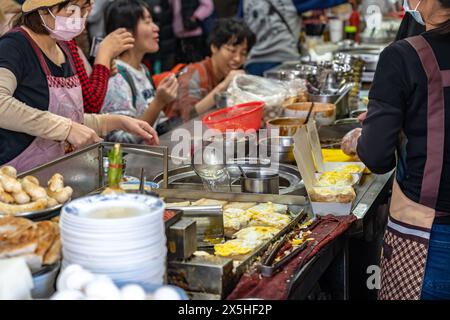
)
(405, 247)
(65, 99)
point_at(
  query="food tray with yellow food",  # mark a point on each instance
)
(332, 200)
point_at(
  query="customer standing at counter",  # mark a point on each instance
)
(230, 42)
(41, 102)
(277, 26)
(132, 92)
(410, 94)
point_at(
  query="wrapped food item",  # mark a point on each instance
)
(350, 142)
(333, 194)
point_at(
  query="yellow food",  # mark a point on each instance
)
(351, 168)
(270, 219)
(269, 207)
(236, 219)
(235, 247)
(335, 178)
(257, 233)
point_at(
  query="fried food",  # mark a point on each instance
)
(9, 171)
(21, 197)
(62, 196)
(9, 184)
(11, 226)
(23, 244)
(335, 178)
(31, 186)
(14, 209)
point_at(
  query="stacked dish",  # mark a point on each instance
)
(121, 236)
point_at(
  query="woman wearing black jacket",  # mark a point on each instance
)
(411, 94)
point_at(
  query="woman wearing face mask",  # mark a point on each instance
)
(132, 92)
(411, 95)
(41, 103)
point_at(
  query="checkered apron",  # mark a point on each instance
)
(405, 245)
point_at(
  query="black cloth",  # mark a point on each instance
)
(17, 55)
(188, 8)
(162, 15)
(190, 50)
(398, 101)
(409, 28)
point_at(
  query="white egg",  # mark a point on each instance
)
(102, 288)
(78, 280)
(133, 292)
(61, 282)
(166, 293)
(68, 295)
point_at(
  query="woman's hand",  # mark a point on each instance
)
(139, 128)
(350, 142)
(113, 70)
(80, 136)
(167, 90)
(114, 45)
(362, 117)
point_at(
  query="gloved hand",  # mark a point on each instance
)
(350, 142)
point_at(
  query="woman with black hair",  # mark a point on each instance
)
(41, 101)
(132, 92)
(230, 41)
(411, 94)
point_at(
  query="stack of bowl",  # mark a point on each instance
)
(121, 236)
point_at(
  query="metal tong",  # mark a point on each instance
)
(268, 268)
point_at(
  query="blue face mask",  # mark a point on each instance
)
(415, 13)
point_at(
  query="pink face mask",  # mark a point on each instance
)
(66, 28)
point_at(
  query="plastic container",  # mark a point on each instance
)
(246, 116)
(44, 282)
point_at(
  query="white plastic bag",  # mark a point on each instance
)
(247, 88)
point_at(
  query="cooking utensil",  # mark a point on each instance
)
(280, 149)
(268, 269)
(209, 221)
(142, 182)
(309, 113)
(242, 171)
(263, 182)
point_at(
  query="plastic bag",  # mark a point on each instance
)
(350, 142)
(247, 88)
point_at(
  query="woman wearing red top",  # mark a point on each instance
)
(94, 87)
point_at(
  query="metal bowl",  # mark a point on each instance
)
(262, 181)
(285, 126)
(280, 149)
(323, 113)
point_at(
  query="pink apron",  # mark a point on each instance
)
(65, 99)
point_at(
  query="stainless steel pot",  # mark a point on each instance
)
(279, 149)
(263, 182)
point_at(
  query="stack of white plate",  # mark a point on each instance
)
(121, 236)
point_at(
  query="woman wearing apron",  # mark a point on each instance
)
(41, 103)
(411, 95)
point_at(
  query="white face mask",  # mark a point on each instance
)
(414, 12)
(66, 28)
